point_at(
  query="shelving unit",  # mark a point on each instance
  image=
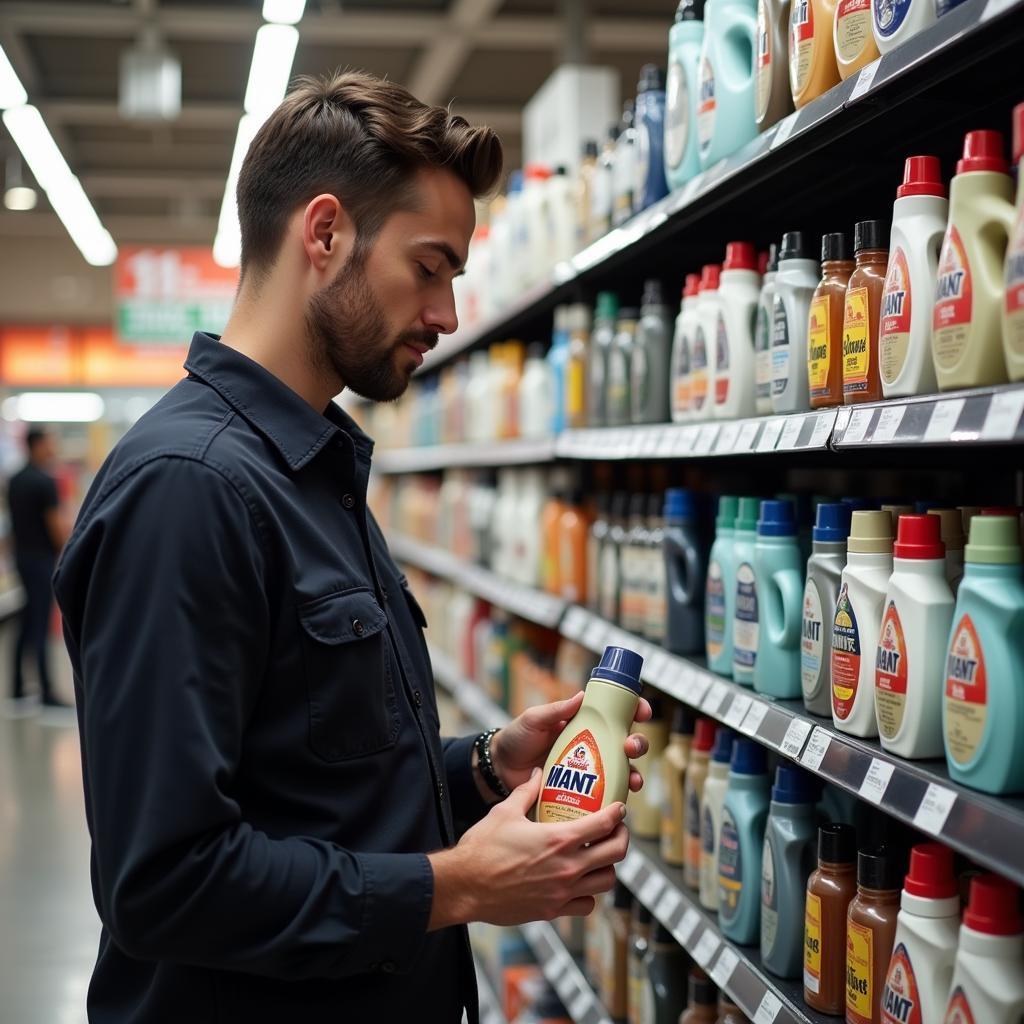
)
(490, 1004)
(11, 602)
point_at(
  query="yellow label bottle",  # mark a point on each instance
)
(812, 52)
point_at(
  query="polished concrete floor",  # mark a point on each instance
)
(48, 924)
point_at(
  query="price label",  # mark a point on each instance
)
(669, 903)
(574, 623)
(727, 437)
(580, 1003)
(687, 926)
(698, 684)
(784, 130)
(770, 435)
(724, 966)
(657, 666)
(558, 963)
(707, 946)
(790, 433)
(796, 736)
(889, 421)
(877, 780)
(745, 438)
(595, 635)
(943, 420)
(706, 438)
(858, 426)
(864, 79)
(754, 717)
(822, 429)
(714, 697)
(1003, 415)
(737, 709)
(630, 867)
(768, 1009)
(817, 747)
(934, 810)
(651, 889)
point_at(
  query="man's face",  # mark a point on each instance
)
(372, 325)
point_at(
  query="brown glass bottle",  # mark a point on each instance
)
(861, 379)
(870, 933)
(829, 892)
(825, 323)
(702, 999)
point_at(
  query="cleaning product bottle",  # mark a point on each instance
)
(918, 223)
(650, 132)
(746, 621)
(583, 193)
(895, 21)
(857, 621)
(610, 562)
(778, 572)
(812, 52)
(909, 663)
(587, 768)
(870, 932)
(983, 710)
(1013, 305)
(576, 365)
(968, 293)
(682, 341)
(825, 323)
(725, 110)
(682, 156)
(558, 357)
(728, 1011)
(645, 806)
(665, 996)
(786, 862)
(773, 99)
(763, 334)
(602, 338)
(795, 282)
(573, 530)
(624, 167)
(988, 975)
(685, 573)
(702, 366)
(740, 843)
(861, 382)
(656, 620)
(720, 589)
(649, 364)
(633, 597)
(595, 541)
(852, 37)
(700, 999)
(821, 592)
(536, 394)
(716, 785)
(738, 294)
(639, 942)
(953, 537)
(693, 796)
(602, 200)
(620, 359)
(917, 982)
(561, 200)
(675, 763)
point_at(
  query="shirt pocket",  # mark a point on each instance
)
(350, 675)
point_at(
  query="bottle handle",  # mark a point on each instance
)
(791, 592)
(996, 211)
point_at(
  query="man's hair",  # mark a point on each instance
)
(33, 436)
(361, 139)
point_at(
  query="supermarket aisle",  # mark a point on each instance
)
(48, 925)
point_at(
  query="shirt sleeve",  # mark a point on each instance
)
(468, 806)
(167, 620)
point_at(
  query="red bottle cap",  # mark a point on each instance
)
(983, 151)
(931, 872)
(993, 906)
(762, 263)
(704, 734)
(709, 276)
(922, 176)
(1000, 510)
(692, 285)
(1017, 145)
(538, 171)
(740, 256)
(919, 537)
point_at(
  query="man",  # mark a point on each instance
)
(38, 534)
(275, 819)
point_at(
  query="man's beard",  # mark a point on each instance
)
(349, 337)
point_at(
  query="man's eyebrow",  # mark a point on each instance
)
(446, 251)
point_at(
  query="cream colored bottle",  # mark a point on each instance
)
(674, 766)
(852, 36)
(587, 768)
(1013, 305)
(645, 806)
(812, 52)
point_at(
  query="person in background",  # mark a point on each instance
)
(38, 533)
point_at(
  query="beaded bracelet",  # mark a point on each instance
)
(482, 745)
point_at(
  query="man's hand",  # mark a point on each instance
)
(507, 870)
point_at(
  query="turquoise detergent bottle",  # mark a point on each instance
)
(983, 707)
(720, 589)
(740, 844)
(778, 566)
(682, 156)
(746, 621)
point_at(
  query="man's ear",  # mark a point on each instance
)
(328, 234)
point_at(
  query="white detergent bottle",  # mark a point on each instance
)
(797, 277)
(682, 342)
(856, 620)
(738, 293)
(702, 351)
(895, 21)
(1013, 304)
(763, 333)
(921, 966)
(988, 977)
(909, 662)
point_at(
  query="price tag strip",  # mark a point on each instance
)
(687, 926)
(706, 948)
(857, 428)
(739, 707)
(667, 906)
(816, 749)
(715, 695)
(888, 424)
(934, 810)
(822, 429)
(943, 420)
(768, 1009)
(770, 435)
(745, 439)
(796, 736)
(651, 889)
(724, 966)
(754, 717)
(877, 780)
(1003, 416)
(790, 433)
(728, 437)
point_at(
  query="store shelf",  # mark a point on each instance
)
(472, 701)
(497, 453)
(11, 602)
(490, 1004)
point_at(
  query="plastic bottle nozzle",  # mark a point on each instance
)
(620, 665)
(983, 151)
(922, 176)
(740, 256)
(931, 872)
(992, 907)
(709, 277)
(691, 286)
(919, 537)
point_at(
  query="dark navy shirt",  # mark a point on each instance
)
(263, 767)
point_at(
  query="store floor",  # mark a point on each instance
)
(48, 924)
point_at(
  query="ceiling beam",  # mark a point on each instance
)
(124, 228)
(144, 185)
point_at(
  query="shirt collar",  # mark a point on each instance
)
(286, 419)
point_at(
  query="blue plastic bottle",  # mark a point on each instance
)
(983, 707)
(779, 569)
(740, 844)
(720, 589)
(684, 574)
(746, 622)
(682, 155)
(650, 134)
(725, 107)
(558, 359)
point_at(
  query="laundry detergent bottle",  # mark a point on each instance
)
(852, 37)
(746, 620)
(685, 573)
(725, 110)
(650, 135)
(682, 87)
(763, 333)
(812, 52)
(720, 589)
(1013, 305)
(795, 282)
(983, 708)
(895, 21)
(682, 343)
(738, 292)
(712, 802)
(773, 99)
(702, 351)
(966, 315)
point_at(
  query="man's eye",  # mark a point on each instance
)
(425, 272)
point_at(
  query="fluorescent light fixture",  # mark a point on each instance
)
(12, 92)
(283, 12)
(53, 407)
(20, 197)
(227, 245)
(271, 68)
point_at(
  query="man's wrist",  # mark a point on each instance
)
(453, 901)
(486, 766)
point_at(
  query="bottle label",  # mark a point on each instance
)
(856, 342)
(576, 392)
(714, 610)
(656, 613)
(819, 349)
(730, 868)
(801, 45)
(762, 63)
(889, 15)
(859, 973)
(745, 628)
(959, 1009)
(769, 900)
(706, 106)
(640, 383)
(575, 783)
(845, 656)
(637, 984)
(853, 29)
(951, 317)
(901, 1003)
(763, 352)
(677, 115)
(693, 831)
(894, 328)
(707, 843)
(699, 370)
(890, 674)
(1013, 322)
(812, 944)
(811, 638)
(649, 1003)
(966, 693)
(780, 346)
(721, 362)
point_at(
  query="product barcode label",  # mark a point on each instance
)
(651, 889)
(889, 422)
(727, 438)
(796, 736)
(768, 1010)
(754, 717)
(724, 966)
(857, 428)
(822, 429)
(791, 433)
(1003, 415)
(630, 866)
(706, 948)
(934, 810)
(877, 780)
(687, 926)
(943, 420)
(770, 435)
(714, 697)
(706, 438)
(864, 79)
(737, 709)
(667, 906)
(816, 749)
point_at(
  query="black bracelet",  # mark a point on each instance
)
(482, 745)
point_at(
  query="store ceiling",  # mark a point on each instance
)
(164, 182)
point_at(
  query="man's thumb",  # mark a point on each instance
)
(523, 798)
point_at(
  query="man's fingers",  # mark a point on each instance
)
(593, 883)
(636, 745)
(636, 781)
(579, 907)
(544, 716)
(592, 827)
(607, 851)
(644, 713)
(522, 799)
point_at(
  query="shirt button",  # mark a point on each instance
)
(348, 501)
(440, 790)
(358, 628)
(417, 698)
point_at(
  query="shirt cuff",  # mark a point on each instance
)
(468, 806)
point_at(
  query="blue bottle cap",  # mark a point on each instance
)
(678, 503)
(921, 507)
(515, 181)
(793, 785)
(778, 519)
(833, 522)
(748, 758)
(620, 665)
(723, 745)
(861, 504)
